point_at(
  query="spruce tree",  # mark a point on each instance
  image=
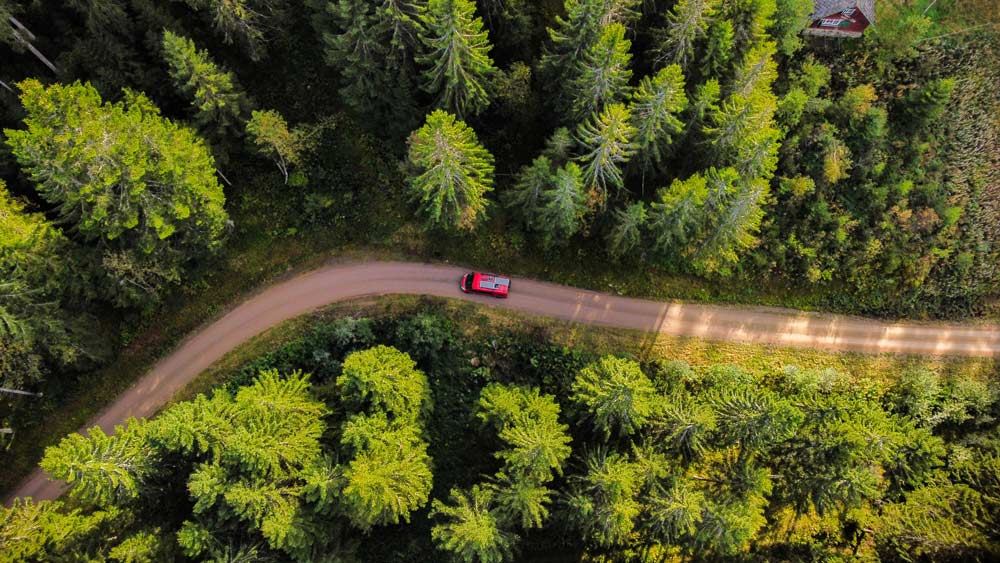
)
(602, 503)
(239, 21)
(574, 36)
(453, 172)
(373, 45)
(564, 204)
(602, 76)
(685, 26)
(214, 92)
(457, 57)
(677, 214)
(103, 470)
(654, 108)
(626, 232)
(615, 395)
(525, 198)
(469, 529)
(609, 141)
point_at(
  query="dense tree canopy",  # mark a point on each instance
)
(124, 175)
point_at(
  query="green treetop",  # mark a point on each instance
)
(239, 21)
(608, 141)
(615, 395)
(457, 56)
(214, 92)
(686, 25)
(655, 105)
(384, 379)
(602, 75)
(564, 205)
(122, 174)
(626, 233)
(272, 138)
(469, 529)
(453, 172)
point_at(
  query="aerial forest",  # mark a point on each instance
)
(161, 158)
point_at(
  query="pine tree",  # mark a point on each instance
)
(655, 105)
(122, 174)
(526, 195)
(470, 530)
(719, 46)
(35, 276)
(626, 232)
(457, 56)
(733, 229)
(272, 138)
(239, 21)
(559, 146)
(564, 204)
(677, 214)
(454, 172)
(100, 469)
(373, 46)
(791, 17)
(214, 92)
(521, 501)
(602, 75)
(686, 25)
(608, 141)
(602, 502)
(538, 444)
(615, 395)
(574, 36)
(386, 481)
(384, 379)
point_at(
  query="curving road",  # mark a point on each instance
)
(312, 290)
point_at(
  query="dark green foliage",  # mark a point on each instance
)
(373, 44)
(457, 57)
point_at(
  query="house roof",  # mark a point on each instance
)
(841, 18)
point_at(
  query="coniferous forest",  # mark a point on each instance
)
(160, 152)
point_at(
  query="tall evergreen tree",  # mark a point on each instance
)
(564, 204)
(573, 36)
(615, 395)
(454, 172)
(603, 501)
(602, 76)
(626, 232)
(685, 26)
(525, 197)
(608, 141)
(655, 105)
(457, 57)
(125, 176)
(240, 21)
(470, 530)
(100, 469)
(677, 214)
(373, 46)
(214, 92)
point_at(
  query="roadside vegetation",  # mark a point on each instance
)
(434, 430)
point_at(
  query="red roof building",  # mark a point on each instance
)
(841, 18)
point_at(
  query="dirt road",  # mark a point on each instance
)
(317, 288)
